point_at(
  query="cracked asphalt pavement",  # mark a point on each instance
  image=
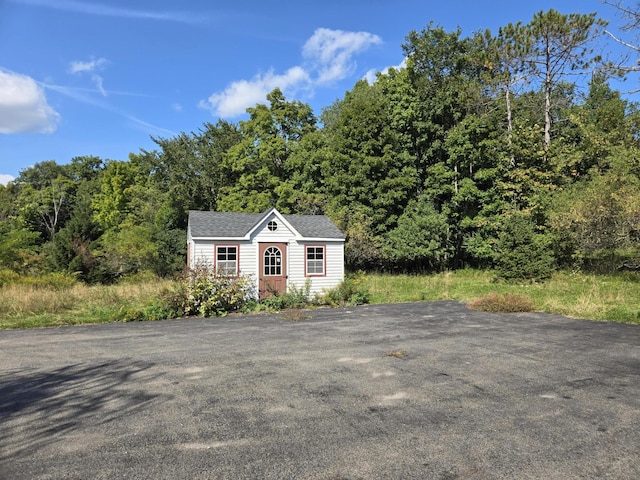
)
(420, 390)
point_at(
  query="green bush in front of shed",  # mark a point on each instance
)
(211, 295)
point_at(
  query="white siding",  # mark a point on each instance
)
(248, 259)
(202, 253)
(334, 266)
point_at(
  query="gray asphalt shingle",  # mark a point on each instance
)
(225, 224)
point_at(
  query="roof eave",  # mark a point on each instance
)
(319, 239)
(235, 239)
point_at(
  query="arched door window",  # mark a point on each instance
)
(273, 261)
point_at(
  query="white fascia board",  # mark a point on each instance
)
(319, 239)
(222, 239)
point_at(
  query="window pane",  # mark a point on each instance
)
(227, 260)
(315, 260)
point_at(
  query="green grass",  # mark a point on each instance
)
(32, 305)
(595, 297)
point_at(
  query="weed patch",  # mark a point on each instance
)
(505, 303)
(296, 314)
(353, 290)
(396, 354)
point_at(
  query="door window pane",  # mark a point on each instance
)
(273, 261)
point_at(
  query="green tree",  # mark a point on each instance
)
(191, 167)
(43, 198)
(130, 249)
(523, 253)
(601, 215)
(18, 247)
(420, 241)
(366, 168)
(72, 249)
(503, 58)
(602, 124)
(363, 249)
(445, 78)
(113, 202)
(257, 165)
(560, 45)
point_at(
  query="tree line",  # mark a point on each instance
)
(505, 150)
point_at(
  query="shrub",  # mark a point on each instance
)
(353, 290)
(50, 281)
(211, 295)
(505, 303)
(144, 276)
(294, 298)
(8, 277)
(153, 309)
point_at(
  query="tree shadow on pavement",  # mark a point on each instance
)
(39, 408)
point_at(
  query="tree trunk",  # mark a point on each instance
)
(507, 96)
(548, 84)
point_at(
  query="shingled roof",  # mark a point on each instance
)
(237, 225)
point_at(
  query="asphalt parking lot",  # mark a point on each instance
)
(422, 390)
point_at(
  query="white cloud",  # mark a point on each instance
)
(90, 66)
(372, 75)
(332, 52)
(240, 95)
(4, 178)
(23, 106)
(328, 56)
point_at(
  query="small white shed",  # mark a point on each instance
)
(279, 251)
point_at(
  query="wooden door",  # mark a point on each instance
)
(272, 272)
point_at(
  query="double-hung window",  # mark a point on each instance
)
(315, 257)
(227, 260)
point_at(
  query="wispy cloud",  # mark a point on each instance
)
(92, 65)
(82, 91)
(147, 127)
(328, 57)
(97, 79)
(111, 11)
(23, 106)
(86, 96)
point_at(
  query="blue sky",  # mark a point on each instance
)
(84, 77)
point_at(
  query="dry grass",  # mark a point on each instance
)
(597, 297)
(505, 303)
(589, 296)
(396, 354)
(31, 305)
(296, 314)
